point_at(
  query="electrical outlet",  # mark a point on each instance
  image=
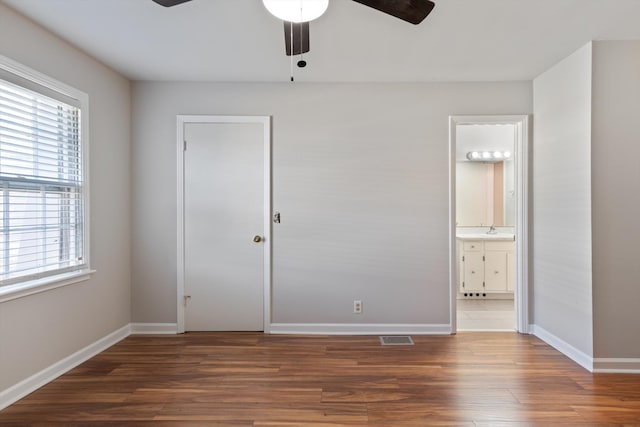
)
(357, 306)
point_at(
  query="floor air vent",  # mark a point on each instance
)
(396, 340)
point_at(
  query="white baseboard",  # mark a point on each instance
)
(616, 365)
(34, 382)
(359, 329)
(154, 328)
(563, 347)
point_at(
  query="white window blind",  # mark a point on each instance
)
(41, 179)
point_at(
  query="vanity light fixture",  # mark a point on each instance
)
(296, 10)
(488, 156)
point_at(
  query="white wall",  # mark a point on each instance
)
(616, 198)
(561, 222)
(39, 330)
(360, 176)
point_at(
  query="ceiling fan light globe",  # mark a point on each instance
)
(296, 10)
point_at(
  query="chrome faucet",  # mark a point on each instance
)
(492, 230)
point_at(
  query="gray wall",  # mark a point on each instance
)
(616, 198)
(560, 260)
(360, 176)
(39, 330)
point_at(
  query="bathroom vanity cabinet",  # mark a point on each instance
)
(486, 266)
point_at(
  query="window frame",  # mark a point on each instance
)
(35, 80)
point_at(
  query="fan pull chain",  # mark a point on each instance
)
(292, 50)
(301, 39)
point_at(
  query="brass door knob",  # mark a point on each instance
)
(257, 239)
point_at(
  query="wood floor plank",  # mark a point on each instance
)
(252, 379)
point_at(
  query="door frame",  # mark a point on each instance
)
(521, 157)
(182, 122)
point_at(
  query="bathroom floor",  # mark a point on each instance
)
(486, 315)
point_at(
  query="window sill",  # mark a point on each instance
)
(20, 290)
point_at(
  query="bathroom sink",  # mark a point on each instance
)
(485, 236)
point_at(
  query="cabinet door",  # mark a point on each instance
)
(495, 271)
(473, 272)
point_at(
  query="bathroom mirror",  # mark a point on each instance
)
(485, 187)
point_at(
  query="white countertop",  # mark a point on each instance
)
(485, 236)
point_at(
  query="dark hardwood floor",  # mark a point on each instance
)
(250, 379)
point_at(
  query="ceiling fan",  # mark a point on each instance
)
(296, 24)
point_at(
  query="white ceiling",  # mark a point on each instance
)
(238, 40)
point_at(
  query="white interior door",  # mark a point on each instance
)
(224, 226)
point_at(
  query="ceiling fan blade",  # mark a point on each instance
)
(169, 3)
(300, 37)
(413, 11)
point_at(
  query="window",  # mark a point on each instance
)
(42, 219)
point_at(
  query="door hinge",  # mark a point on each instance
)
(462, 258)
(186, 298)
(184, 145)
(483, 284)
(482, 257)
(463, 284)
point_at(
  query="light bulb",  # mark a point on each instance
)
(296, 10)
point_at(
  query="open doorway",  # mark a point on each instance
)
(485, 226)
(488, 211)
